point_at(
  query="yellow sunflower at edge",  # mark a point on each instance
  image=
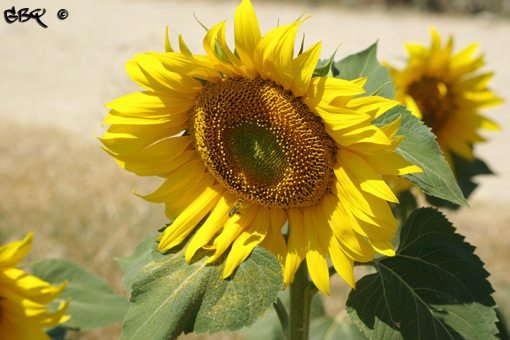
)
(265, 143)
(444, 91)
(23, 298)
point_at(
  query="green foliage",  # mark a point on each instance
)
(268, 327)
(57, 333)
(170, 296)
(365, 64)
(325, 68)
(434, 288)
(327, 328)
(420, 148)
(131, 264)
(465, 171)
(93, 304)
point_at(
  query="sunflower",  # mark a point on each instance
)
(248, 140)
(445, 92)
(23, 297)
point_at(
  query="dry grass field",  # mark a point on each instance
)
(56, 181)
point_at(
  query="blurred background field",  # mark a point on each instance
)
(56, 181)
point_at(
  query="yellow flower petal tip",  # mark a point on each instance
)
(251, 139)
(25, 297)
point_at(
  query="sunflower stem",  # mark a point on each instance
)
(300, 305)
(283, 316)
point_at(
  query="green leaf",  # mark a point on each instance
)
(465, 171)
(434, 288)
(93, 304)
(133, 263)
(269, 328)
(420, 148)
(365, 64)
(170, 296)
(327, 328)
(57, 333)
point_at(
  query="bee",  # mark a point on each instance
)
(235, 209)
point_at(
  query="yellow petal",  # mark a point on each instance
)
(274, 53)
(32, 287)
(176, 205)
(244, 243)
(168, 47)
(392, 164)
(212, 225)
(383, 247)
(369, 180)
(210, 49)
(343, 264)
(325, 90)
(159, 159)
(303, 67)
(391, 129)
(342, 223)
(148, 71)
(246, 32)
(361, 203)
(296, 245)
(315, 253)
(129, 139)
(189, 218)
(233, 227)
(178, 180)
(12, 253)
(274, 241)
(362, 134)
(150, 105)
(372, 105)
(339, 118)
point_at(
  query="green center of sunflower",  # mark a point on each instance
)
(435, 101)
(262, 143)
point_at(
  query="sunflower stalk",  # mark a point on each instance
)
(301, 296)
(283, 316)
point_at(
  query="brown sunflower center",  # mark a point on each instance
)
(262, 143)
(435, 101)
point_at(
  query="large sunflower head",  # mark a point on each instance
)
(248, 140)
(446, 92)
(23, 298)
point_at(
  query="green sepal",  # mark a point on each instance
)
(170, 296)
(434, 288)
(93, 303)
(326, 68)
(420, 148)
(365, 64)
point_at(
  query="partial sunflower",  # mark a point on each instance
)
(263, 143)
(445, 91)
(23, 298)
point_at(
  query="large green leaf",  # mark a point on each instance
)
(420, 148)
(434, 288)
(328, 328)
(465, 171)
(365, 64)
(170, 296)
(269, 327)
(93, 304)
(133, 263)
